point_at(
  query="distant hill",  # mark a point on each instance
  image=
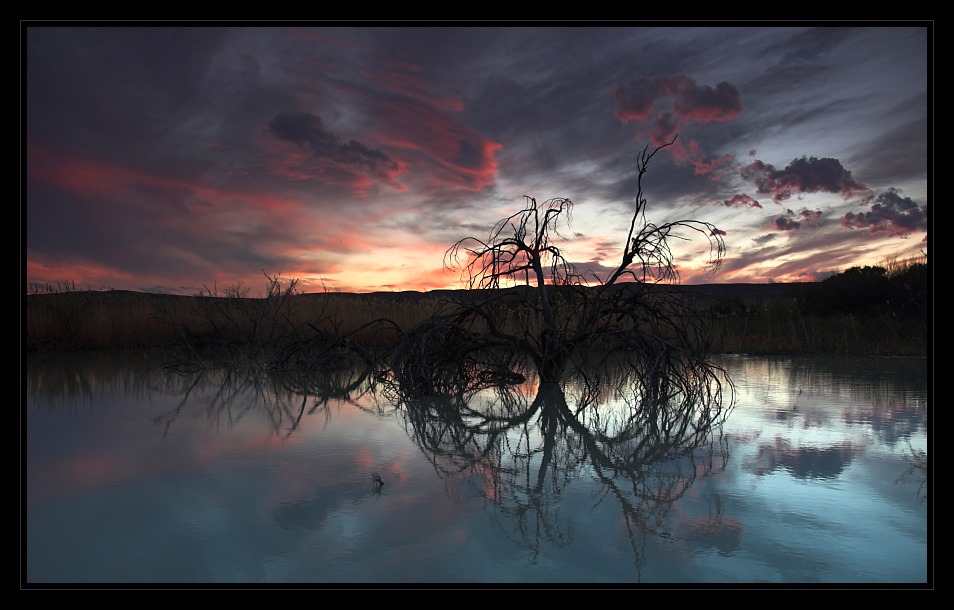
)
(720, 291)
(742, 291)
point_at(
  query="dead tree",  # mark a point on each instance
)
(526, 296)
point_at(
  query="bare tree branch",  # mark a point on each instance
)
(553, 313)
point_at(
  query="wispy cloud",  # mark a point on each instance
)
(166, 158)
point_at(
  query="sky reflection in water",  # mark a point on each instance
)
(132, 476)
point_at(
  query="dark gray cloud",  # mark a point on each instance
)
(116, 92)
(303, 128)
(890, 213)
(793, 221)
(889, 157)
(741, 201)
(784, 223)
(803, 175)
(308, 130)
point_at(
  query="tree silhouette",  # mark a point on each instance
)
(527, 299)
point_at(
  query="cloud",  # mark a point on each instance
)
(413, 87)
(668, 102)
(783, 223)
(85, 215)
(447, 153)
(789, 223)
(803, 175)
(741, 201)
(305, 129)
(890, 213)
(282, 148)
(800, 462)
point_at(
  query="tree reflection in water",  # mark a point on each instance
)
(640, 442)
(286, 397)
(645, 438)
(645, 433)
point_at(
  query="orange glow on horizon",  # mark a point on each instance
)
(343, 256)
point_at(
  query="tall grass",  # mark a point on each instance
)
(77, 320)
(783, 326)
(62, 318)
(93, 320)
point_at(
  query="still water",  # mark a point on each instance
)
(817, 474)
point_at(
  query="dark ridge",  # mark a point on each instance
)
(720, 291)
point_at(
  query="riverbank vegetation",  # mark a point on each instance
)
(881, 311)
(874, 311)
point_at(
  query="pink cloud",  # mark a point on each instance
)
(670, 102)
(741, 201)
(439, 150)
(452, 154)
(414, 87)
(86, 177)
(666, 104)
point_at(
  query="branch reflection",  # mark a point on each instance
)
(645, 439)
(638, 441)
(285, 398)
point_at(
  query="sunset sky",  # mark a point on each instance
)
(171, 159)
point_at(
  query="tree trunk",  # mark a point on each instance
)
(553, 357)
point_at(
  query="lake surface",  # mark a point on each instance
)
(817, 474)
